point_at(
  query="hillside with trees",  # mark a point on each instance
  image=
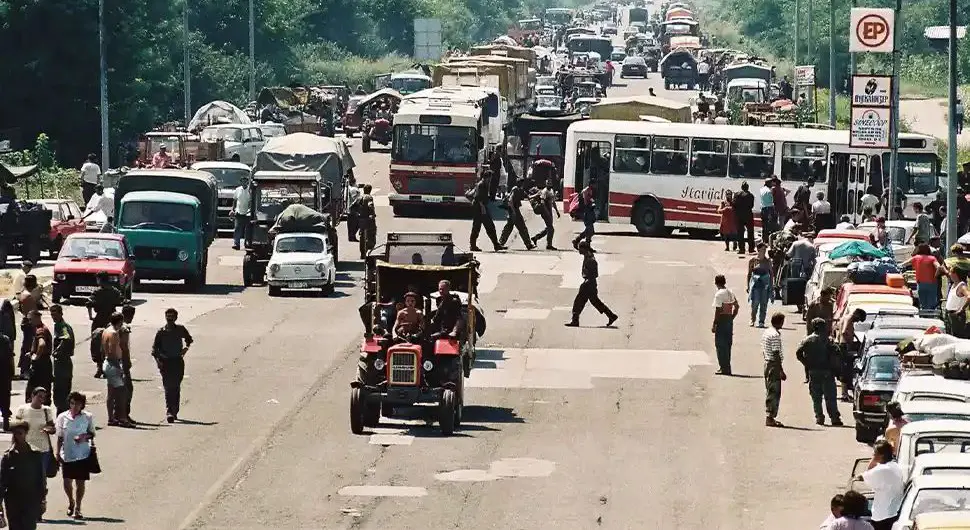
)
(50, 55)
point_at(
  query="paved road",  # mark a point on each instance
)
(929, 116)
(622, 428)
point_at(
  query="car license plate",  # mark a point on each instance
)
(299, 285)
(84, 289)
(431, 198)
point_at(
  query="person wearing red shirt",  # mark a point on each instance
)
(925, 266)
(728, 222)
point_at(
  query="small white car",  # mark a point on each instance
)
(301, 260)
(934, 493)
(931, 436)
(242, 141)
(923, 387)
(899, 232)
(937, 464)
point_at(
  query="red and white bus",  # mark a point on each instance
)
(662, 176)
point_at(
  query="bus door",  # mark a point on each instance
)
(593, 162)
(850, 177)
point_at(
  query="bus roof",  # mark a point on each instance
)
(725, 131)
(439, 107)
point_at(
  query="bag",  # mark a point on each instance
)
(94, 467)
(52, 464)
(574, 203)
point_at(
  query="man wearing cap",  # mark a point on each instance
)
(22, 481)
(410, 320)
(588, 291)
(162, 159)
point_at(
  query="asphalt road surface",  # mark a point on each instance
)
(565, 428)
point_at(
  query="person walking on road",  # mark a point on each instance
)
(128, 314)
(64, 344)
(172, 342)
(41, 363)
(759, 285)
(242, 201)
(588, 290)
(725, 310)
(30, 299)
(587, 207)
(90, 177)
(546, 205)
(744, 216)
(114, 374)
(40, 420)
(818, 354)
(104, 301)
(959, 115)
(21, 481)
(774, 371)
(367, 221)
(354, 194)
(849, 348)
(75, 431)
(6, 376)
(479, 197)
(766, 197)
(513, 204)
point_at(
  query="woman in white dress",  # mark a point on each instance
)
(75, 430)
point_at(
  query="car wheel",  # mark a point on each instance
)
(328, 289)
(275, 291)
(55, 247)
(863, 435)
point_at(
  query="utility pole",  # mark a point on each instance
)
(951, 192)
(832, 116)
(894, 113)
(252, 52)
(798, 30)
(103, 81)
(186, 61)
(810, 45)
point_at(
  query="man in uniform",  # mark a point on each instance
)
(410, 320)
(353, 197)
(41, 364)
(367, 219)
(513, 203)
(171, 343)
(6, 377)
(64, 343)
(480, 199)
(103, 302)
(588, 291)
(22, 482)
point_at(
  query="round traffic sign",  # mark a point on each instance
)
(872, 31)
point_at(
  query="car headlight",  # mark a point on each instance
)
(319, 267)
(379, 364)
(428, 365)
(60, 277)
(274, 268)
(183, 255)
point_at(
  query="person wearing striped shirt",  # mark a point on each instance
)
(774, 371)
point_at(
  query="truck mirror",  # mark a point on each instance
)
(481, 142)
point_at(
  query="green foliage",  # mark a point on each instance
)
(50, 55)
(51, 181)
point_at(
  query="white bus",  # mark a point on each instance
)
(662, 176)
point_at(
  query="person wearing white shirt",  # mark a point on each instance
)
(888, 480)
(21, 277)
(845, 224)
(242, 201)
(90, 177)
(822, 210)
(725, 310)
(871, 200)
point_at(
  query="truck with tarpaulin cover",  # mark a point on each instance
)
(632, 107)
(168, 217)
(472, 73)
(516, 52)
(542, 137)
(524, 73)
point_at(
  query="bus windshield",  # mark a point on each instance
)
(583, 44)
(918, 172)
(410, 85)
(435, 143)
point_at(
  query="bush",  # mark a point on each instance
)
(51, 181)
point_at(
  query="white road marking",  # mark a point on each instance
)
(577, 369)
(382, 491)
(466, 475)
(526, 313)
(391, 439)
(563, 308)
(565, 264)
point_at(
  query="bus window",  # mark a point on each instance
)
(669, 155)
(799, 161)
(917, 174)
(752, 160)
(632, 154)
(708, 157)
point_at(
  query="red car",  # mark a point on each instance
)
(86, 254)
(65, 220)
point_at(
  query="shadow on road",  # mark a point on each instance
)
(212, 289)
(196, 422)
(489, 414)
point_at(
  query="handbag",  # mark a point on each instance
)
(52, 464)
(94, 467)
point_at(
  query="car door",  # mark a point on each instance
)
(74, 217)
(255, 143)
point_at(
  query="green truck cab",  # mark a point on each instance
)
(169, 219)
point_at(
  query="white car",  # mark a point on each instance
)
(228, 176)
(937, 464)
(301, 260)
(242, 141)
(936, 410)
(928, 387)
(925, 494)
(931, 436)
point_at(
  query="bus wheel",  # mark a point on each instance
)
(648, 217)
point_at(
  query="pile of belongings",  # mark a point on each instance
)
(300, 218)
(949, 355)
(872, 272)
(23, 216)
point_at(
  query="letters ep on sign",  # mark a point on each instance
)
(871, 30)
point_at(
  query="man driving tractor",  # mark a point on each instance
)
(409, 324)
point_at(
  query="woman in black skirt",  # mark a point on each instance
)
(75, 430)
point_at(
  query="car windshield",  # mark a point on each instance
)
(157, 216)
(897, 234)
(940, 500)
(299, 244)
(917, 172)
(943, 443)
(435, 143)
(545, 145)
(410, 85)
(228, 177)
(275, 197)
(883, 368)
(213, 134)
(92, 248)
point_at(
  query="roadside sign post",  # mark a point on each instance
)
(874, 30)
(427, 39)
(805, 77)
